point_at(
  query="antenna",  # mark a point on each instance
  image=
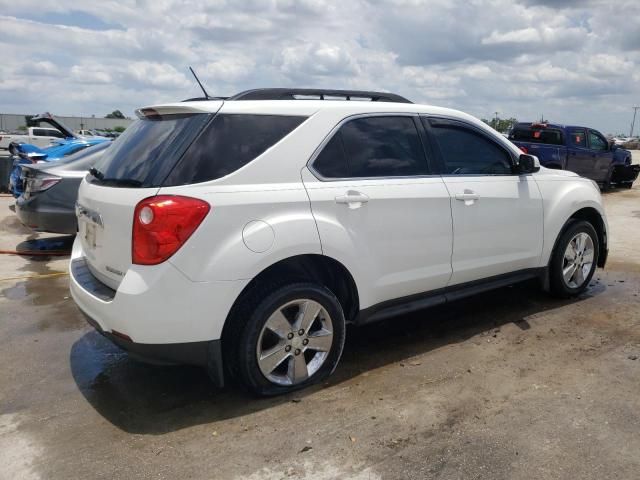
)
(206, 95)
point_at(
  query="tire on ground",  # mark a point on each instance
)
(256, 311)
(559, 286)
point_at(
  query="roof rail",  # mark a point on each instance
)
(310, 93)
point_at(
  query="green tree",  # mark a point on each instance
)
(501, 124)
(119, 129)
(115, 114)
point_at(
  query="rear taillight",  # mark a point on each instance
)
(162, 224)
(524, 150)
(41, 182)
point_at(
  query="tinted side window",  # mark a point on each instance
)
(577, 138)
(465, 152)
(228, 143)
(332, 162)
(383, 147)
(39, 132)
(597, 142)
(536, 135)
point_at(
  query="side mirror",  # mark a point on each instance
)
(613, 145)
(528, 163)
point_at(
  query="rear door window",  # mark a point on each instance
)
(373, 147)
(228, 143)
(577, 137)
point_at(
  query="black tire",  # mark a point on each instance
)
(558, 285)
(627, 184)
(257, 311)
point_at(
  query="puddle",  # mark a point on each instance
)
(11, 224)
(17, 292)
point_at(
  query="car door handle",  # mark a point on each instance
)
(352, 198)
(467, 195)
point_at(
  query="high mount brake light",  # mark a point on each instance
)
(162, 224)
(524, 150)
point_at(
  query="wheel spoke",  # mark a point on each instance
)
(278, 324)
(308, 313)
(570, 252)
(578, 242)
(320, 341)
(568, 272)
(578, 277)
(297, 369)
(588, 257)
(273, 357)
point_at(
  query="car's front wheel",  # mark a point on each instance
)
(292, 338)
(574, 259)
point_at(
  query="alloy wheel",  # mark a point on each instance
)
(578, 260)
(295, 342)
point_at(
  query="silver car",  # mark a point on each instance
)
(47, 203)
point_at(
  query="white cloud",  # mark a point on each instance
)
(577, 61)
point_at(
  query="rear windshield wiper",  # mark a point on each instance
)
(96, 173)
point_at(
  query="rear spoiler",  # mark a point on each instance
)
(48, 118)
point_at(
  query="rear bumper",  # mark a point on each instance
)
(202, 354)
(156, 313)
(35, 214)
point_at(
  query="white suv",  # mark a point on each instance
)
(242, 234)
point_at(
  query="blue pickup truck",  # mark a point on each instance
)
(582, 150)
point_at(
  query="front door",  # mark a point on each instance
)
(378, 209)
(602, 154)
(497, 214)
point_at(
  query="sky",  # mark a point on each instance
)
(573, 61)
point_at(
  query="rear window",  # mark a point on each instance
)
(148, 150)
(551, 136)
(183, 149)
(228, 143)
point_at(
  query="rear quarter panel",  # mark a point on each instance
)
(249, 228)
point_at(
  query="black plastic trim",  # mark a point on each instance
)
(81, 273)
(206, 354)
(291, 93)
(412, 303)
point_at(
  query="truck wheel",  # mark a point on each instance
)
(574, 259)
(292, 338)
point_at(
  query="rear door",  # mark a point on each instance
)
(497, 214)
(378, 208)
(580, 158)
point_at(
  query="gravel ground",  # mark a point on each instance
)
(507, 385)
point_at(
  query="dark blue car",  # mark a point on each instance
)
(582, 150)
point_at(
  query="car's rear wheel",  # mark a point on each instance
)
(292, 338)
(574, 260)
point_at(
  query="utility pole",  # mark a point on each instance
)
(633, 123)
(496, 124)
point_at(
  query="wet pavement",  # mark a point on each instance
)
(508, 385)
